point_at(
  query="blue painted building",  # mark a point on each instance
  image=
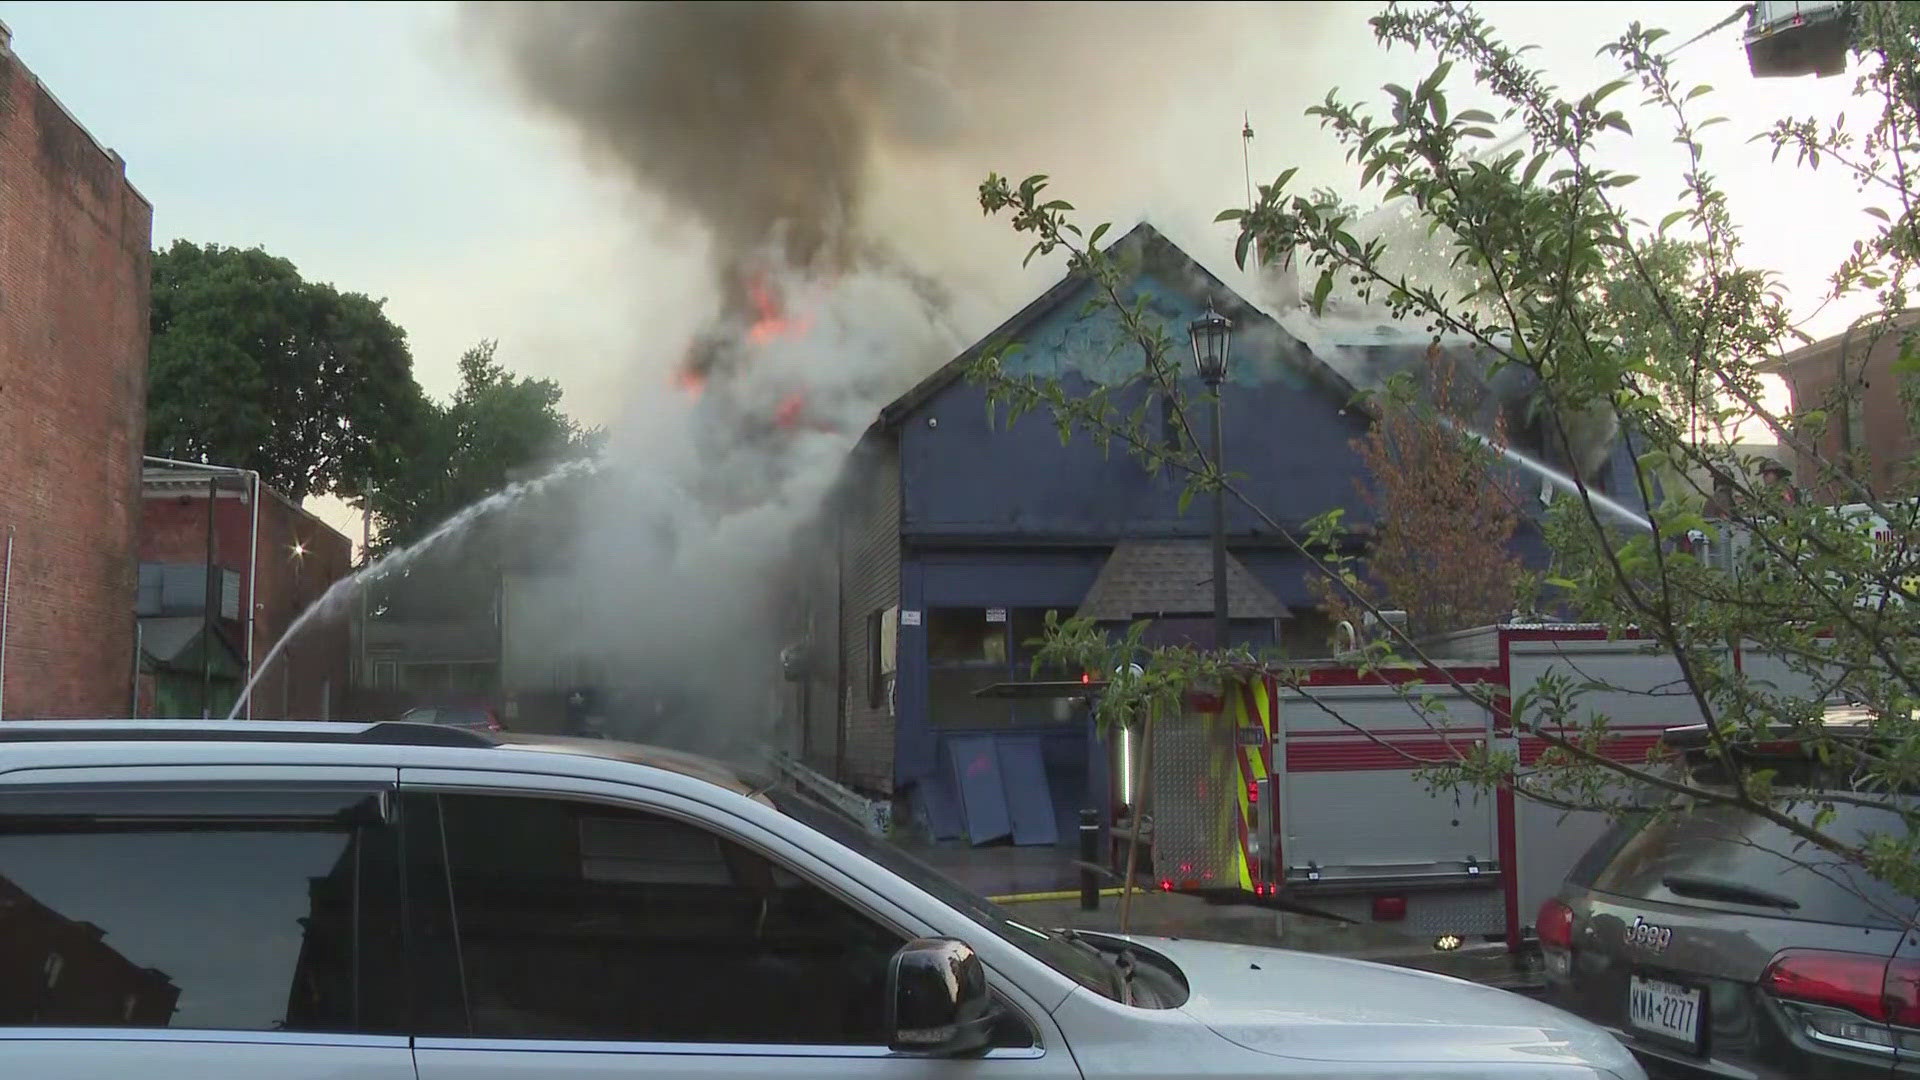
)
(955, 535)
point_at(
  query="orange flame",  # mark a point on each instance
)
(770, 320)
(788, 412)
(691, 383)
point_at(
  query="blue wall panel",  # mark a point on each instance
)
(965, 479)
(1286, 427)
(1010, 578)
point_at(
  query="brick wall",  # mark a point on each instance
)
(74, 241)
(310, 678)
(1812, 374)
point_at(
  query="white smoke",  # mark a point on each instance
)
(675, 584)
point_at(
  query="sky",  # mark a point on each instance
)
(378, 148)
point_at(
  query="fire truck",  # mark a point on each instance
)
(1310, 797)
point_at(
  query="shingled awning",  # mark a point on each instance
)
(1154, 578)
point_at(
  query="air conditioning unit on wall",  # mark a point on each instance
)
(1375, 625)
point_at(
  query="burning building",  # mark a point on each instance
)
(780, 134)
(955, 536)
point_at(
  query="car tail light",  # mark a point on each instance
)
(1555, 925)
(1901, 990)
(1389, 908)
(1872, 986)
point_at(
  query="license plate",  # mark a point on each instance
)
(1664, 1009)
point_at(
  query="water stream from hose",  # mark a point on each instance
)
(342, 590)
(1566, 483)
(1557, 478)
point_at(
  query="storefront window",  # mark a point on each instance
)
(965, 654)
(969, 649)
(964, 636)
(1027, 627)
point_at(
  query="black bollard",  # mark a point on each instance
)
(1089, 859)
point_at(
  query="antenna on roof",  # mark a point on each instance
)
(1246, 153)
(1246, 164)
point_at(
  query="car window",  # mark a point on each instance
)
(139, 911)
(462, 716)
(572, 920)
(1685, 857)
(1594, 861)
(1076, 961)
(421, 716)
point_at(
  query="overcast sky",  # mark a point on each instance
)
(373, 147)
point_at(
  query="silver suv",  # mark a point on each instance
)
(202, 901)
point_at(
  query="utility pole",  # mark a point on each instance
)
(6, 605)
(1222, 626)
(210, 601)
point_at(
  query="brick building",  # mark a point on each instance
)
(74, 243)
(1871, 420)
(271, 566)
(64, 968)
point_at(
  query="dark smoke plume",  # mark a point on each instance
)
(755, 118)
(821, 131)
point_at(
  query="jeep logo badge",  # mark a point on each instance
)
(1648, 936)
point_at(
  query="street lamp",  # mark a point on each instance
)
(1212, 333)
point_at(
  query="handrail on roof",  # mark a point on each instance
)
(380, 733)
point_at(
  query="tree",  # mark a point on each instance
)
(1546, 253)
(497, 426)
(253, 366)
(1444, 514)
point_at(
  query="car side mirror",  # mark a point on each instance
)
(938, 1003)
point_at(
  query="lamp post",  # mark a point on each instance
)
(1212, 334)
(288, 665)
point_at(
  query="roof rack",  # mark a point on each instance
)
(382, 733)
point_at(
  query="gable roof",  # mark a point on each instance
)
(1173, 577)
(1154, 251)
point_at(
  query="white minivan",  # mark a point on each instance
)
(200, 901)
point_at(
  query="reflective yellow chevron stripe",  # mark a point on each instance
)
(1249, 706)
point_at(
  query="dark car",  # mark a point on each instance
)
(1714, 943)
(471, 717)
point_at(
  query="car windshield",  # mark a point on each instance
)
(1077, 961)
(1717, 856)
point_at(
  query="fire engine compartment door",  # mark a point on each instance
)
(1353, 807)
(1194, 802)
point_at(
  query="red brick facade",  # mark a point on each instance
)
(310, 679)
(1813, 372)
(74, 243)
